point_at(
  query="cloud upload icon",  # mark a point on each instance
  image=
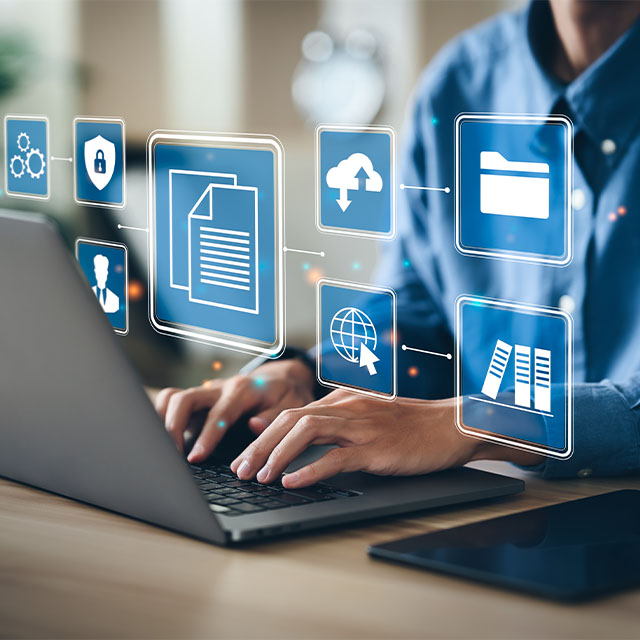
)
(356, 173)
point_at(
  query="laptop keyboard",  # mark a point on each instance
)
(228, 495)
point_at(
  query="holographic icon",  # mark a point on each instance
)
(26, 162)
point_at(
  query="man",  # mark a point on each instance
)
(109, 301)
(563, 56)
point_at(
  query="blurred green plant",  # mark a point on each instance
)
(16, 58)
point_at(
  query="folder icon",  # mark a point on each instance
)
(508, 188)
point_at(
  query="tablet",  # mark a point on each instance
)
(569, 551)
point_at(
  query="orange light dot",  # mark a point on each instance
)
(207, 383)
(216, 365)
(313, 275)
(413, 371)
(612, 217)
(622, 211)
(136, 290)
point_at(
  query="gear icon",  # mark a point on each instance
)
(19, 162)
(43, 164)
(23, 141)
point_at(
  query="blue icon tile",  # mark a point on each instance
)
(100, 161)
(356, 174)
(356, 329)
(216, 243)
(513, 187)
(515, 374)
(104, 264)
(27, 156)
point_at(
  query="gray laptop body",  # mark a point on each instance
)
(76, 420)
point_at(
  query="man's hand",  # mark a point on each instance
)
(270, 389)
(403, 437)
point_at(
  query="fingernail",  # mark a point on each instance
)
(291, 478)
(259, 423)
(243, 469)
(194, 453)
(263, 474)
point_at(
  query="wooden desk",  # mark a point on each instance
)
(68, 570)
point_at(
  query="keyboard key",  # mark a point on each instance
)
(247, 508)
(311, 494)
(226, 501)
(218, 508)
(241, 495)
(210, 486)
(290, 498)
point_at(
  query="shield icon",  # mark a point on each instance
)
(100, 161)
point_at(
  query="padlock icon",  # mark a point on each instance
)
(99, 165)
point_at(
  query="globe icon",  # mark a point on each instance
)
(350, 328)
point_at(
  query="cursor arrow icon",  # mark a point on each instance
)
(368, 358)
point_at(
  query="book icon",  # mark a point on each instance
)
(511, 188)
(523, 379)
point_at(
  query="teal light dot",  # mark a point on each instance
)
(259, 382)
(221, 424)
(306, 266)
(407, 263)
(434, 121)
(356, 265)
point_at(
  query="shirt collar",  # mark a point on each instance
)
(604, 99)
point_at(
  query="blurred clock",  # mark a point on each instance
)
(339, 81)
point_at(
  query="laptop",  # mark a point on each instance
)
(77, 421)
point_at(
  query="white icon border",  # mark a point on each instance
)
(15, 194)
(506, 254)
(565, 453)
(98, 203)
(113, 245)
(367, 288)
(382, 129)
(205, 336)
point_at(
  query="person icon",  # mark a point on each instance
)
(109, 301)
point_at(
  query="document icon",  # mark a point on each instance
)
(511, 188)
(223, 248)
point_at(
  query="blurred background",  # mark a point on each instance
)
(256, 66)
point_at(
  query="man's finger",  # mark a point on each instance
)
(182, 404)
(238, 396)
(162, 400)
(262, 420)
(252, 459)
(308, 430)
(333, 462)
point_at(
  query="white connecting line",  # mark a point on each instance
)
(443, 189)
(311, 253)
(448, 356)
(122, 226)
(61, 159)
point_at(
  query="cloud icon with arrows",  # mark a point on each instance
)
(355, 173)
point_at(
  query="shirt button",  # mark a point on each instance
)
(567, 303)
(608, 147)
(584, 473)
(578, 199)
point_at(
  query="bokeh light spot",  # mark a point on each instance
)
(413, 371)
(612, 216)
(622, 211)
(216, 365)
(313, 275)
(136, 290)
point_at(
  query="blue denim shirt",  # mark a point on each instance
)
(500, 66)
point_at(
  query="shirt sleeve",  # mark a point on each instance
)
(606, 432)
